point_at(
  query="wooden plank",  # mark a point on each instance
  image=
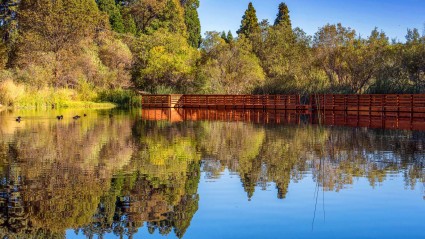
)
(371, 103)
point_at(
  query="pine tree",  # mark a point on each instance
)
(114, 14)
(249, 24)
(191, 19)
(282, 16)
(229, 37)
(223, 36)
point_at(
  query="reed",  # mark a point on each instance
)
(18, 96)
(120, 97)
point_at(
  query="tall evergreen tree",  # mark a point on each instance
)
(282, 16)
(229, 36)
(191, 19)
(249, 24)
(114, 14)
(223, 36)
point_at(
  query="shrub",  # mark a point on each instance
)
(123, 98)
(10, 92)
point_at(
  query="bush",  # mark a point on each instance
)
(10, 92)
(123, 98)
(86, 90)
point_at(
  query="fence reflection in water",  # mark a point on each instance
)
(337, 118)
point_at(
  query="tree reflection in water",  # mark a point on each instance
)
(119, 175)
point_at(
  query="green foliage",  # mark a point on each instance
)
(51, 26)
(282, 16)
(115, 18)
(152, 15)
(8, 31)
(130, 25)
(350, 63)
(164, 59)
(193, 24)
(229, 37)
(173, 18)
(68, 45)
(285, 57)
(86, 90)
(413, 61)
(18, 95)
(117, 57)
(120, 97)
(223, 36)
(228, 68)
(249, 24)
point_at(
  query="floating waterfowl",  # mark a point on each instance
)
(18, 119)
(59, 117)
(76, 117)
(85, 115)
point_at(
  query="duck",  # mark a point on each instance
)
(85, 115)
(59, 117)
(76, 117)
(18, 119)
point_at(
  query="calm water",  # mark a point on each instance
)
(130, 176)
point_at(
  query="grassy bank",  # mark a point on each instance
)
(15, 95)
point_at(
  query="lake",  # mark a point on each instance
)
(207, 174)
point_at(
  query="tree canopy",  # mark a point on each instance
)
(90, 47)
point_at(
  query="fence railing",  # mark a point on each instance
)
(378, 102)
(290, 102)
(401, 104)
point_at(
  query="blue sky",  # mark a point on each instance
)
(392, 16)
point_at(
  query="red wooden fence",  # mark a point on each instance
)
(404, 105)
(400, 104)
(288, 102)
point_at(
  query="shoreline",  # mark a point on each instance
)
(67, 105)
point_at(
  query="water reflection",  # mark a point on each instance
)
(129, 173)
(382, 120)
